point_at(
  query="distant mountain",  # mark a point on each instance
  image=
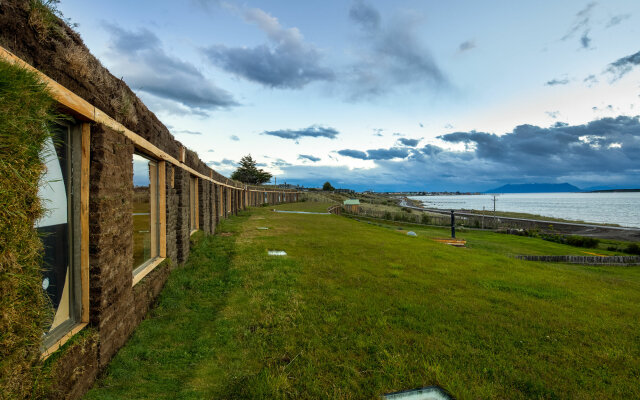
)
(535, 188)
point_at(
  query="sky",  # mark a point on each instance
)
(387, 96)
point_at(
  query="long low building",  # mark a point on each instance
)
(123, 198)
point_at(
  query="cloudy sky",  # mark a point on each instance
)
(402, 95)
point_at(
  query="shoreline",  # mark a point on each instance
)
(631, 234)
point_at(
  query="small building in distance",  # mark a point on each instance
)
(352, 206)
(347, 191)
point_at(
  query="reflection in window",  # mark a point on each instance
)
(145, 211)
(55, 229)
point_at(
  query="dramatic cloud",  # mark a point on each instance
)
(224, 163)
(388, 154)
(140, 58)
(467, 45)
(430, 150)
(623, 65)
(376, 154)
(361, 155)
(409, 142)
(602, 152)
(391, 55)
(279, 163)
(617, 19)
(561, 149)
(312, 131)
(582, 23)
(187, 132)
(286, 62)
(234, 138)
(308, 157)
(555, 82)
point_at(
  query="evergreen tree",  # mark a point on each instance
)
(327, 186)
(247, 172)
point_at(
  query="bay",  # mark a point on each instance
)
(611, 208)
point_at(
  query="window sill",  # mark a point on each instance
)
(57, 345)
(150, 267)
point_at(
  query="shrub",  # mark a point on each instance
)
(425, 219)
(633, 248)
(581, 241)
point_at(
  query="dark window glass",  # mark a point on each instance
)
(55, 226)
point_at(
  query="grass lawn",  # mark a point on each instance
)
(356, 310)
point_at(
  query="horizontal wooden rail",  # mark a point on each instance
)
(85, 109)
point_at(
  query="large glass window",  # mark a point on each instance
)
(145, 212)
(59, 192)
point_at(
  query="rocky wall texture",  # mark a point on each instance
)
(172, 211)
(182, 230)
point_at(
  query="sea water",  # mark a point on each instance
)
(611, 208)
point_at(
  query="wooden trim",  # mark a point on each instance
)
(183, 154)
(85, 159)
(138, 277)
(57, 345)
(162, 205)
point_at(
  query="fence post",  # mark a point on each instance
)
(453, 225)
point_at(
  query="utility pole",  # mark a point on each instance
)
(482, 217)
(494, 210)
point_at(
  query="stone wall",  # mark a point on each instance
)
(591, 260)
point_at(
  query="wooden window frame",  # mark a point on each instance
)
(194, 206)
(160, 226)
(80, 253)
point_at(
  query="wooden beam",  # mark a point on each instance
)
(138, 277)
(84, 220)
(162, 205)
(62, 340)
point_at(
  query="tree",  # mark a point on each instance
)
(327, 186)
(247, 172)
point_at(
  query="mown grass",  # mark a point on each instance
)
(509, 245)
(355, 310)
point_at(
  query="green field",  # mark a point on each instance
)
(356, 310)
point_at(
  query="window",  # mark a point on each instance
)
(193, 204)
(60, 230)
(146, 221)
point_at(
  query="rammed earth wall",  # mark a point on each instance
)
(115, 304)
